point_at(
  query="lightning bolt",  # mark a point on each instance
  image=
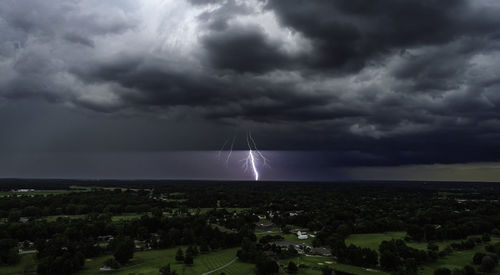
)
(252, 160)
(230, 151)
(264, 159)
(222, 148)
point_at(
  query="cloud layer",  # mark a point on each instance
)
(381, 84)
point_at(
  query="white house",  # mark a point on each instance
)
(301, 236)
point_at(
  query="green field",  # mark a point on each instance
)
(317, 262)
(149, 262)
(457, 259)
(373, 240)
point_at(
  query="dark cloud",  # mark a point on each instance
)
(243, 50)
(396, 82)
(347, 34)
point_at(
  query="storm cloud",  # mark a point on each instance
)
(386, 83)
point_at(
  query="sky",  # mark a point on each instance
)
(329, 89)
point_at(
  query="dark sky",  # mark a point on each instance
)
(330, 89)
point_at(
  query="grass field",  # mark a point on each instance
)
(317, 262)
(373, 240)
(238, 268)
(149, 262)
(457, 259)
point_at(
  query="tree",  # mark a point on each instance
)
(124, 251)
(442, 271)
(214, 244)
(486, 237)
(326, 271)
(487, 264)
(195, 251)
(188, 259)
(8, 251)
(267, 266)
(478, 257)
(292, 267)
(432, 246)
(292, 252)
(204, 247)
(389, 260)
(458, 271)
(165, 270)
(415, 232)
(157, 212)
(469, 270)
(179, 256)
(286, 229)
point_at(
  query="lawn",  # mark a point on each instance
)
(317, 262)
(237, 268)
(457, 259)
(373, 240)
(149, 262)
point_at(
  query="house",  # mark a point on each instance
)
(302, 236)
